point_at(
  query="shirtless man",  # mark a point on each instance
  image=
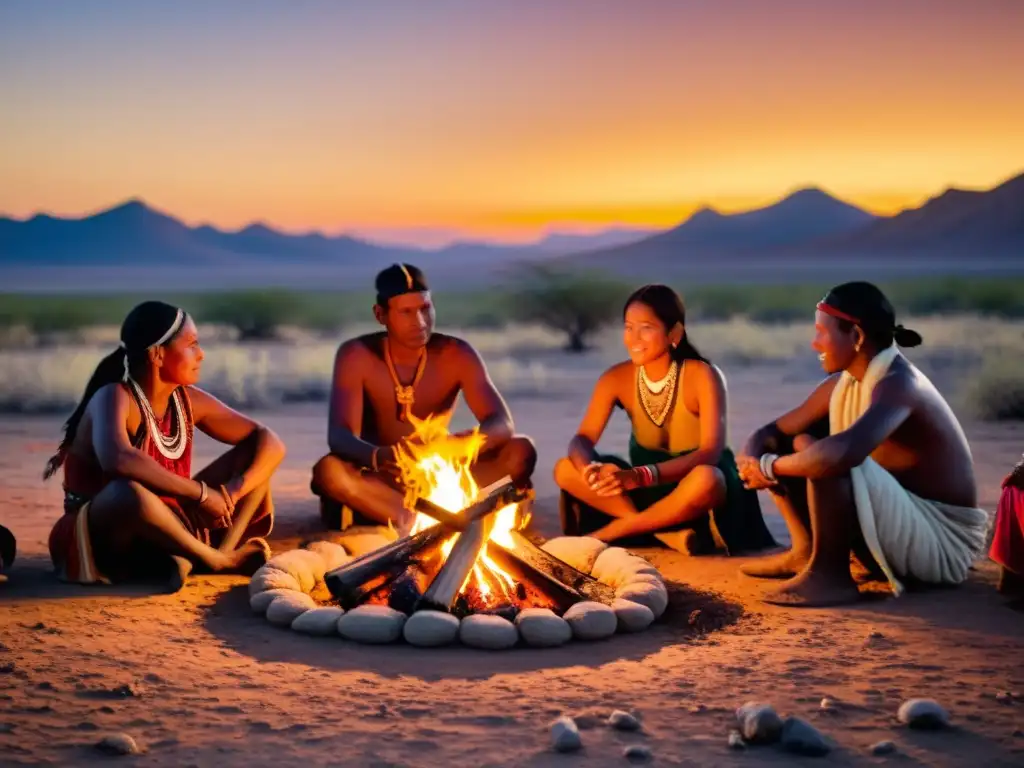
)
(901, 436)
(379, 379)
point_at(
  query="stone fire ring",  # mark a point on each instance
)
(281, 591)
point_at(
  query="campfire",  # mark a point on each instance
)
(465, 552)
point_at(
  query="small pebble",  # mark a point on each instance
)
(697, 709)
(759, 723)
(736, 740)
(883, 748)
(118, 744)
(565, 736)
(828, 704)
(637, 753)
(1004, 697)
(924, 714)
(802, 738)
(623, 721)
(875, 635)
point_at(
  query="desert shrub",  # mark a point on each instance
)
(257, 315)
(577, 304)
(996, 392)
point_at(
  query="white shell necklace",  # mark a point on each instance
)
(655, 387)
(170, 446)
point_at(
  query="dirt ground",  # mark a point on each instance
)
(196, 679)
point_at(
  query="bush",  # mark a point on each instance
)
(996, 393)
(577, 304)
(257, 315)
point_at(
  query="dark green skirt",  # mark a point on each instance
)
(737, 526)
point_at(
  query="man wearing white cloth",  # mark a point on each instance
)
(893, 480)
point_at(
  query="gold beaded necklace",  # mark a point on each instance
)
(657, 397)
(405, 395)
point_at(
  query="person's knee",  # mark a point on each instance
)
(334, 477)
(520, 457)
(803, 442)
(708, 483)
(564, 473)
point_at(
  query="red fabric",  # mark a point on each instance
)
(1008, 540)
(84, 477)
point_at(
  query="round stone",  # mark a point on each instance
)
(759, 723)
(333, 555)
(923, 714)
(632, 617)
(306, 567)
(285, 609)
(565, 736)
(541, 628)
(623, 721)
(491, 632)
(375, 624)
(578, 551)
(653, 595)
(320, 622)
(637, 753)
(271, 578)
(591, 621)
(262, 600)
(118, 744)
(428, 629)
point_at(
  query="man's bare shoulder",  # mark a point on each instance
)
(452, 348)
(360, 347)
(902, 383)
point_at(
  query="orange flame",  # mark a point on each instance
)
(435, 466)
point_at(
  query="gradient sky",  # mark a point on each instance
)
(414, 119)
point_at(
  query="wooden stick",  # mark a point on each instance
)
(443, 590)
(561, 571)
(562, 596)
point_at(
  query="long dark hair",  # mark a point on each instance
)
(667, 306)
(148, 323)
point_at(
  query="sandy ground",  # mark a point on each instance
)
(196, 679)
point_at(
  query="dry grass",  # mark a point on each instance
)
(996, 393)
(522, 360)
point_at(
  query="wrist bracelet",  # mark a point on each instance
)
(766, 462)
(203, 491)
(645, 475)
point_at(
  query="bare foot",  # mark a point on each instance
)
(181, 569)
(784, 565)
(248, 558)
(815, 589)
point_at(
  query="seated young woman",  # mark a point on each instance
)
(680, 485)
(132, 509)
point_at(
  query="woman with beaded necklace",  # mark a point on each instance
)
(680, 484)
(131, 507)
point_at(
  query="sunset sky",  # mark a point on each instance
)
(422, 120)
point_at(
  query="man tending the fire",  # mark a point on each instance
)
(384, 385)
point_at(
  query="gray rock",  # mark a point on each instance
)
(802, 738)
(883, 748)
(736, 740)
(623, 721)
(923, 714)
(319, 622)
(288, 607)
(541, 628)
(118, 744)
(828, 705)
(428, 629)
(372, 624)
(759, 723)
(490, 632)
(565, 736)
(637, 753)
(591, 621)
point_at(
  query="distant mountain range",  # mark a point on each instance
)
(807, 230)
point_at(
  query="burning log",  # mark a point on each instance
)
(441, 594)
(560, 571)
(344, 581)
(402, 586)
(554, 590)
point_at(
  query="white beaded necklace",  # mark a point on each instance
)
(170, 446)
(655, 387)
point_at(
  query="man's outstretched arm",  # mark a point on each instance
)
(892, 402)
(483, 399)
